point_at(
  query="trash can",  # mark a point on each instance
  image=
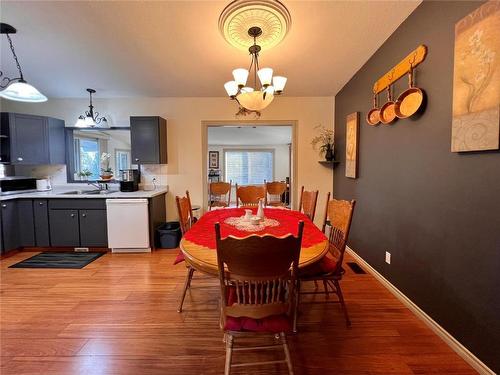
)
(169, 235)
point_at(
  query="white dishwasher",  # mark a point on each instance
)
(128, 225)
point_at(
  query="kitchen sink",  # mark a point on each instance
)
(86, 192)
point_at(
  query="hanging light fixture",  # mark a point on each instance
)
(252, 100)
(17, 88)
(91, 119)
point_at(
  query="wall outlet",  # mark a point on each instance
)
(388, 257)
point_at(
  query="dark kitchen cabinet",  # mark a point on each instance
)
(41, 222)
(10, 227)
(148, 135)
(32, 139)
(26, 223)
(64, 228)
(93, 228)
(78, 222)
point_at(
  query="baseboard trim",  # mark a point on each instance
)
(453, 343)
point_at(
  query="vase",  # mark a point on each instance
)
(329, 154)
(106, 176)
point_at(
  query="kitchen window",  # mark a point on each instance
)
(248, 167)
(87, 156)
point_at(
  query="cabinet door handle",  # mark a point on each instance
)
(72, 215)
(4, 205)
(136, 159)
(19, 159)
(84, 215)
(40, 203)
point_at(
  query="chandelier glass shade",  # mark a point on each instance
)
(91, 119)
(17, 89)
(254, 99)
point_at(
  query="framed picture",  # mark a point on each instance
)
(351, 145)
(213, 159)
(476, 81)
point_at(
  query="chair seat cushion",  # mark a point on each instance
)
(323, 266)
(179, 258)
(272, 324)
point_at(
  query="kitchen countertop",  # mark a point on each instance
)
(57, 192)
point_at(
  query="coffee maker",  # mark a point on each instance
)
(130, 180)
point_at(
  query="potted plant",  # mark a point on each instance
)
(85, 174)
(106, 171)
(325, 142)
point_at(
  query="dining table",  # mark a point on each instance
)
(198, 245)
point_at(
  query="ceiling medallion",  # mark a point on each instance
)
(271, 16)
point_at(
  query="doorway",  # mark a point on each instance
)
(249, 153)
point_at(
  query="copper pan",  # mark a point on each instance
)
(387, 114)
(410, 100)
(373, 116)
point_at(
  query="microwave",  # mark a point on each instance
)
(17, 185)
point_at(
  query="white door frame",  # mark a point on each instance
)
(293, 160)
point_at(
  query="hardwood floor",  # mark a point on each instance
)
(118, 316)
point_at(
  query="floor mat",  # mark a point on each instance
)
(58, 260)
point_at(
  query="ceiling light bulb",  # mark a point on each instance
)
(240, 76)
(265, 76)
(89, 122)
(279, 83)
(80, 123)
(231, 88)
(247, 89)
(21, 91)
(269, 90)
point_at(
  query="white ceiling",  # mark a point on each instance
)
(249, 136)
(173, 48)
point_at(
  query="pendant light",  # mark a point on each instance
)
(91, 119)
(17, 88)
(252, 100)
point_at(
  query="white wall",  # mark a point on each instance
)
(184, 115)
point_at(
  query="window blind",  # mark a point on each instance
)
(246, 167)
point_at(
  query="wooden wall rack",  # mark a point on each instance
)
(413, 59)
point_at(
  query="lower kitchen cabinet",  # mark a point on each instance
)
(93, 228)
(41, 221)
(64, 228)
(10, 228)
(26, 226)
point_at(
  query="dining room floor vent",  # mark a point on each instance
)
(356, 268)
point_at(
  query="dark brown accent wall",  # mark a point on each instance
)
(437, 212)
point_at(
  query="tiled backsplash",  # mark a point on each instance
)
(57, 173)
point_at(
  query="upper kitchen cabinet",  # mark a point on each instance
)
(148, 135)
(32, 139)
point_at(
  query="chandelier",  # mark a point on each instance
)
(254, 99)
(91, 119)
(17, 88)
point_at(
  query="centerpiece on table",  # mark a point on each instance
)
(325, 141)
(106, 171)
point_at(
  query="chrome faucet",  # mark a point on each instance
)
(99, 185)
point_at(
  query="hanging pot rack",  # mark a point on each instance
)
(413, 59)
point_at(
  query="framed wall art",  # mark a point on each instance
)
(351, 145)
(213, 159)
(476, 81)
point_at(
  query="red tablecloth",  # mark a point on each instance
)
(203, 232)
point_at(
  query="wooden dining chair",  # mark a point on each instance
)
(307, 202)
(248, 196)
(219, 194)
(257, 283)
(186, 220)
(274, 191)
(329, 269)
